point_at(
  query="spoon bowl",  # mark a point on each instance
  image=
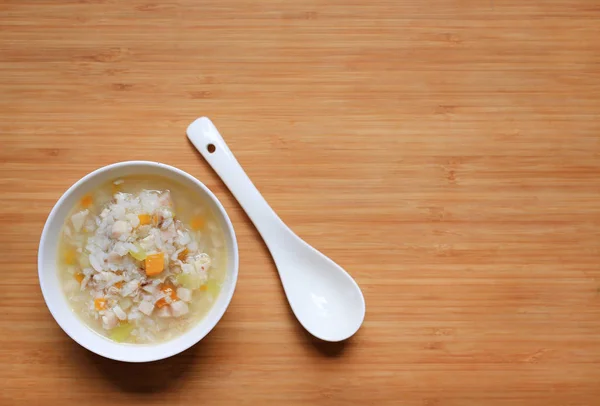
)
(325, 299)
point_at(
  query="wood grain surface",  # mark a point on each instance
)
(446, 153)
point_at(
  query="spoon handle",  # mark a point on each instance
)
(206, 138)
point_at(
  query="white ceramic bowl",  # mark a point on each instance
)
(57, 302)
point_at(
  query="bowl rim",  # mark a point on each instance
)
(232, 269)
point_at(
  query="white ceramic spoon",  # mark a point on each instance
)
(324, 298)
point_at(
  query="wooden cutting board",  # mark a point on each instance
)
(446, 153)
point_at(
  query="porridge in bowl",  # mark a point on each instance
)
(141, 259)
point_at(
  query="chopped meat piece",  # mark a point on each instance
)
(184, 294)
(78, 219)
(121, 315)
(146, 307)
(120, 230)
(164, 312)
(109, 320)
(179, 308)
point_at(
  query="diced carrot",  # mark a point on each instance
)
(100, 303)
(155, 263)
(144, 219)
(79, 277)
(118, 285)
(169, 291)
(183, 254)
(197, 222)
(69, 256)
(87, 201)
(204, 288)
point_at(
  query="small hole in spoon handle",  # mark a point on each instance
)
(211, 148)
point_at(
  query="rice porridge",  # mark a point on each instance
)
(141, 259)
